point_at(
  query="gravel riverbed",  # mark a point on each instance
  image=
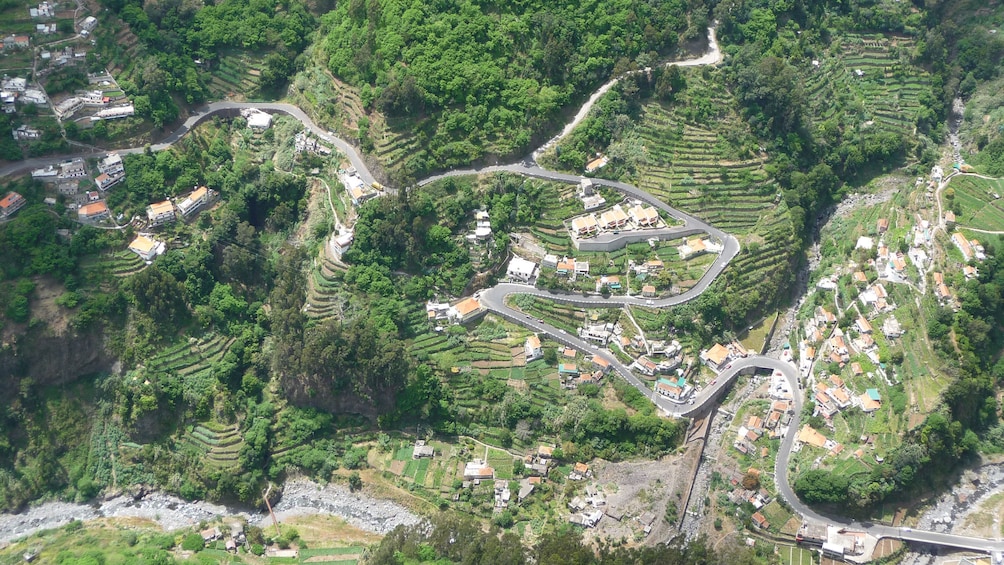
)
(172, 513)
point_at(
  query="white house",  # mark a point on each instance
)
(195, 200)
(146, 247)
(111, 165)
(532, 348)
(521, 270)
(160, 213)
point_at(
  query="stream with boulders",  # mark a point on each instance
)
(299, 497)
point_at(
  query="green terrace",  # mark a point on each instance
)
(884, 93)
(687, 167)
(976, 201)
(120, 263)
(218, 444)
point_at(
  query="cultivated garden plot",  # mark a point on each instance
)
(976, 202)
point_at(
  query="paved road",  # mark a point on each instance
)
(494, 298)
(201, 114)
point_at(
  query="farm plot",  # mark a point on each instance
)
(976, 201)
(117, 264)
(236, 73)
(220, 443)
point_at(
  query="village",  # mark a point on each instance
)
(59, 43)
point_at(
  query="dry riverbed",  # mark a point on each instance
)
(300, 497)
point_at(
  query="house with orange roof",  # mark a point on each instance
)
(601, 363)
(871, 400)
(882, 225)
(160, 213)
(648, 291)
(754, 423)
(532, 348)
(863, 325)
(939, 278)
(856, 369)
(644, 216)
(717, 357)
(809, 436)
(147, 248)
(10, 204)
(93, 212)
(963, 245)
(840, 396)
(585, 226)
(943, 292)
(970, 272)
(693, 247)
(465, 310)
(597, 163)
(613, 219)
(859, 277)
(654, 265)
(565, 267)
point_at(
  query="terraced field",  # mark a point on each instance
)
(324, 292)
(118, 264)
(685, 170)
(886, 90)
(975, 200)
(236, 73)
(194, 362)
(220, 443)
(473, 365)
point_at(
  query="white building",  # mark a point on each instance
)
(146, 247)
(195, 200)
(257, 120)
(72, 169)
(34, 96)
(532, 348)
(111, 165)
(521, 270)
(15, 84)
(160, 213)
(89, 23)
(114, 113)
(24, 133)
(341, 243)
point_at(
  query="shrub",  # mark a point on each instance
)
(193, 542)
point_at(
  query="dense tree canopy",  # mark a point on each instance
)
(490, 77)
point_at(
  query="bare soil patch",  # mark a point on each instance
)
(638, 487)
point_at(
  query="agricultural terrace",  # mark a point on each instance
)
(884, 95)
(122, 263)
(976, 202)
(236, 74)
(695, 167)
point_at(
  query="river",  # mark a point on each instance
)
(300, 497)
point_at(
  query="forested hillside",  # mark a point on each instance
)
(473, 79)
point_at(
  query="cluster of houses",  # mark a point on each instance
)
(16, 90)
(303, 142)
(833, 397)
(720, 357)
(587, 510)
(774, 424)
(614, 220)
(14, 42)
(66, 176)
(357, 190)
(235, 537)
(696, 246)
(165, 212)
(108, 105)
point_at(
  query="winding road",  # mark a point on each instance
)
(494, 299)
